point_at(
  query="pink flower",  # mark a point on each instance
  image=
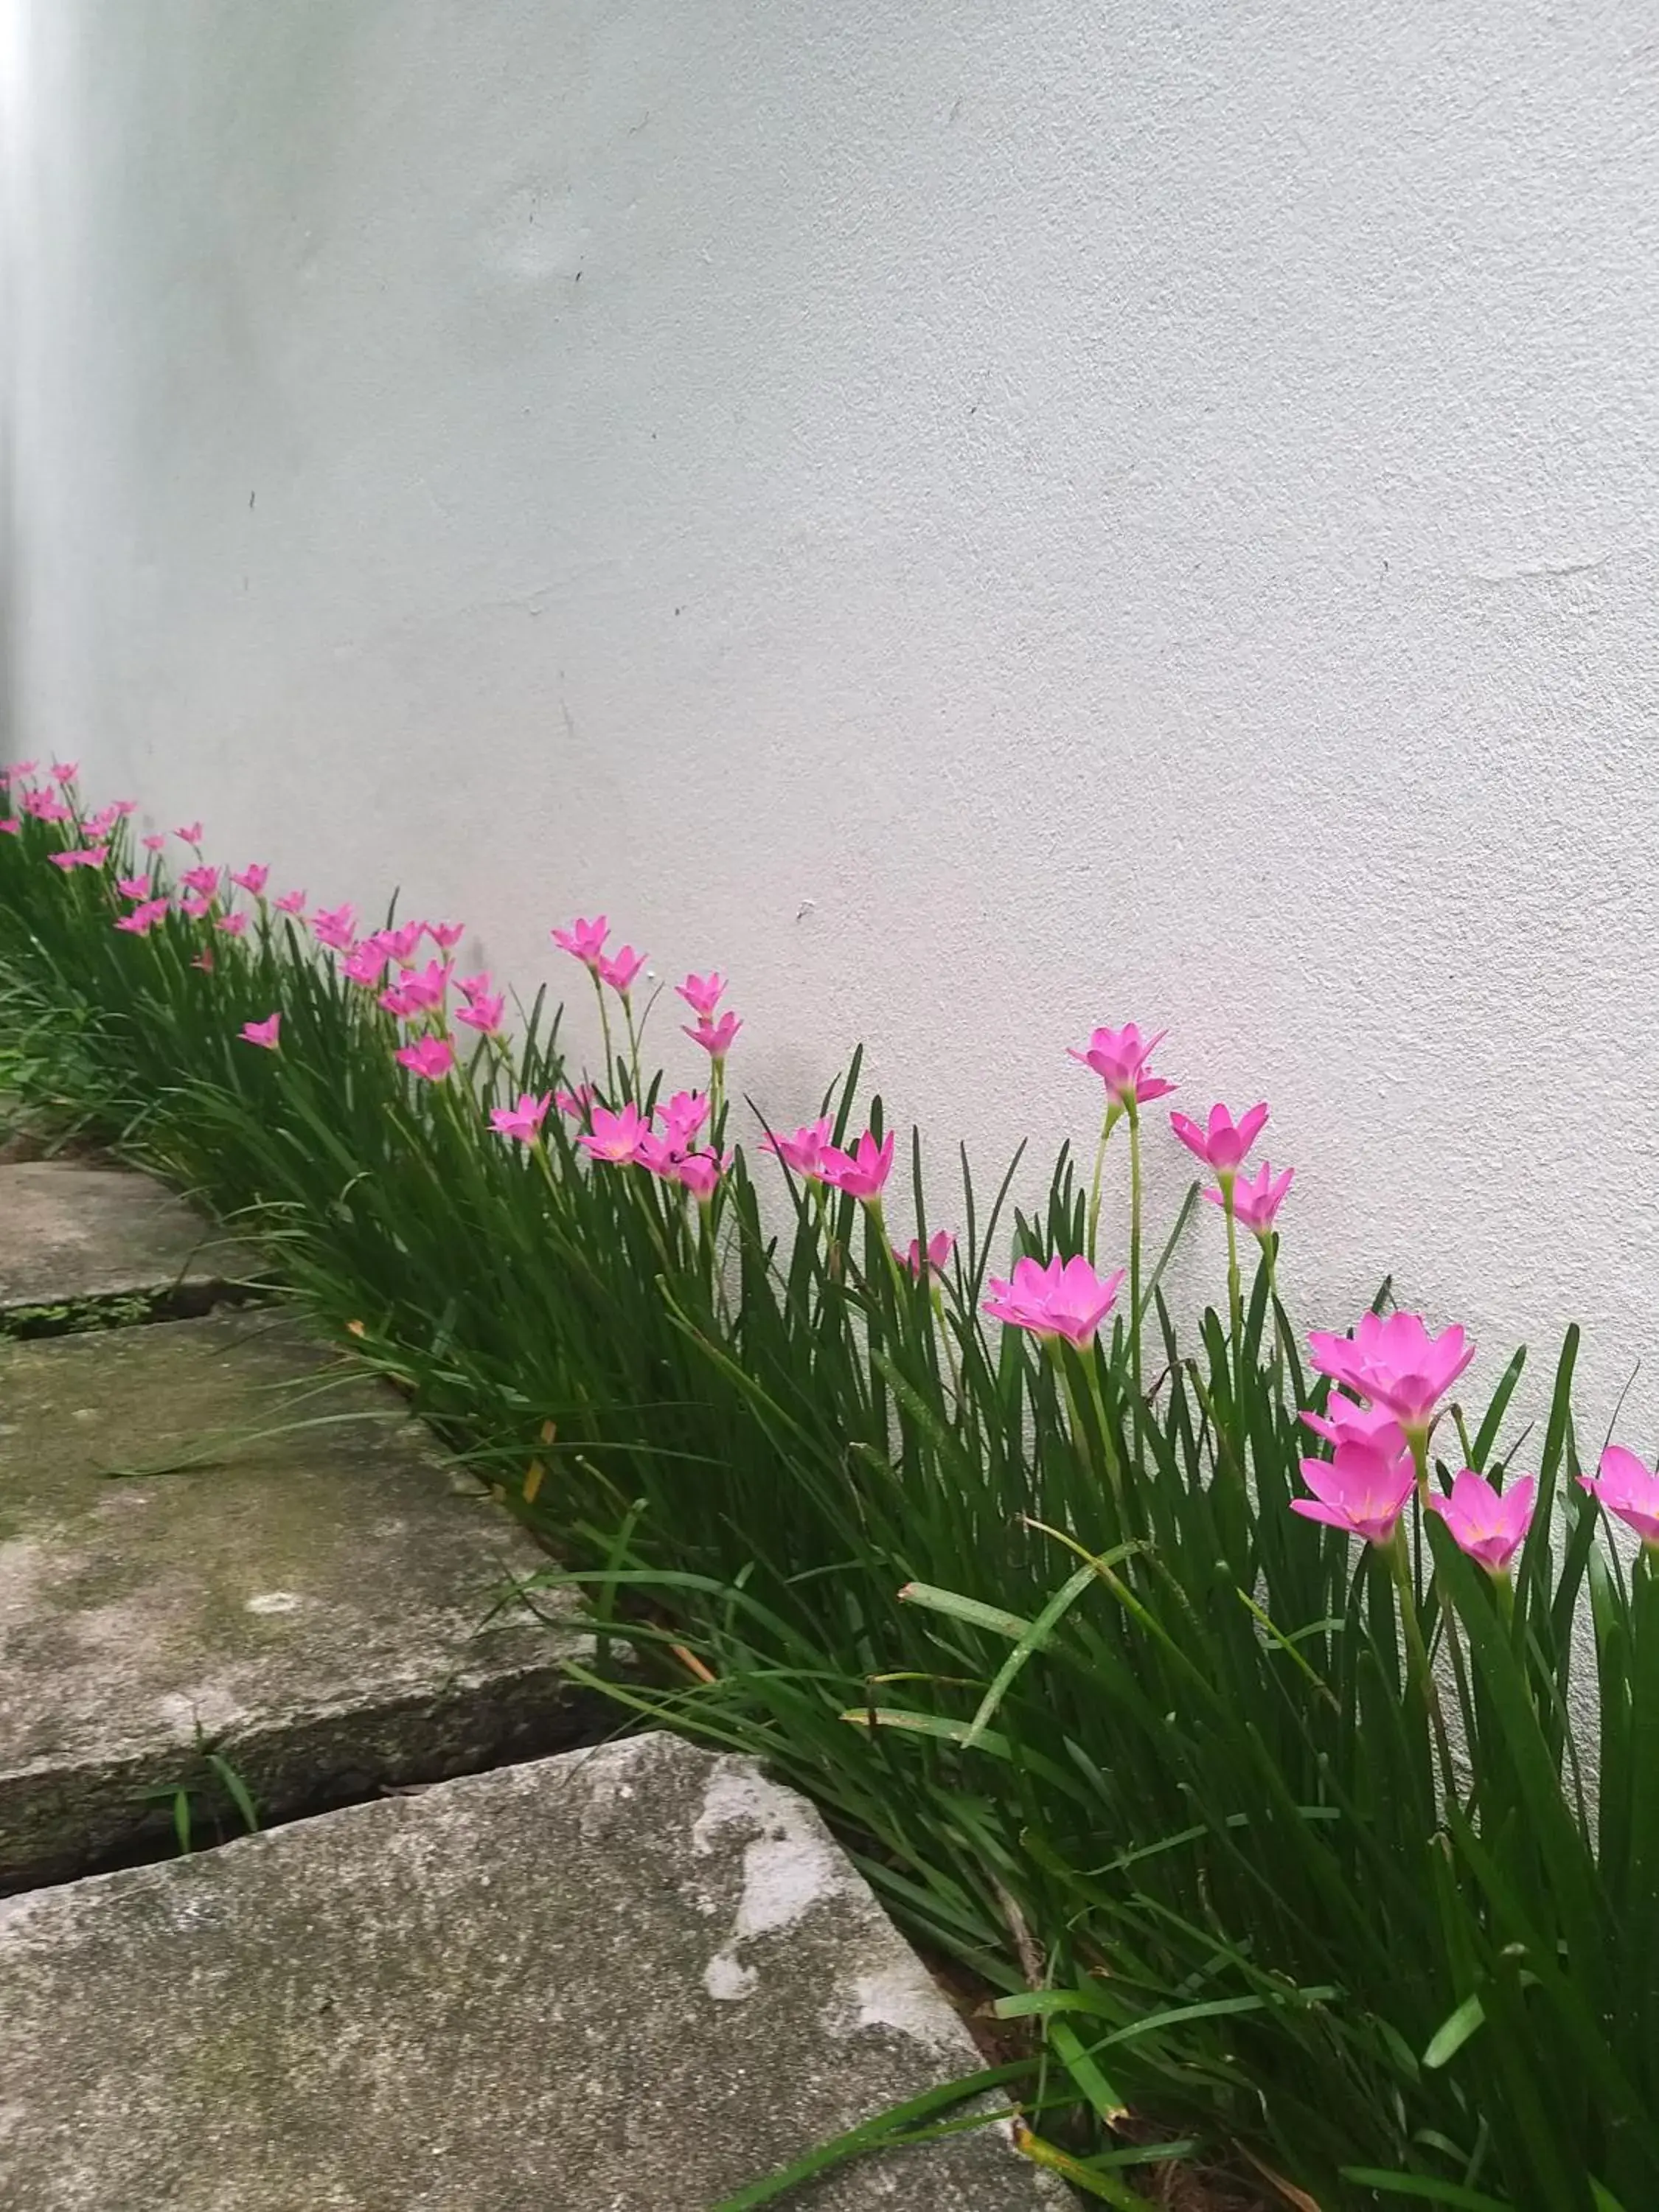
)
(204, 960)
(96, 826)
(24, 767)
(267, 1032)
(89, 856)
(431, 1058)
(805, 1150)
(195, 905)
(574, 1103)
(1065, 1298)
(656, 1154)
(154, 844)
(615, 1137)
(1396, 1363)
(190, 834)
(252, 878)
(1256, 1198)
(1362, 1491)
(423, 989)
(483, 1014)
(1625, 1488)
(621, 972)
(522, 1122)
(233, 924)
(699, 1172)
(203, 879)
(445, 935)
(1344, 1422)
(702, 993)
(1221, 1146)
(65, 771)
(682, 1117)
(1119, 1057)
(940, 1245)
(715, 1038)
(144, 919)
(398, 944)
(585, 940)
(125, 807)
(473, 987)
(336, 927)
(11, 826)
(133, 886)
(863, 1171)
(1487, 1524)
(44, 807)
(363, 964)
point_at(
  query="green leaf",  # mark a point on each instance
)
(1079, 2062)
(1454, 2032)
(1035, 1637)
(972, 1610)
(934, 1724)
(1093, 2180)
(1429, 2192)
(238, 1791)
(899, 2125)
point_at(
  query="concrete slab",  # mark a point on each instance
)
(624, 1980)
(70, 1233)
(306, 1601)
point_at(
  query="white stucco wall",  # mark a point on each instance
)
(978, 518)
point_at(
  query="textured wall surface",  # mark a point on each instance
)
(978, 519)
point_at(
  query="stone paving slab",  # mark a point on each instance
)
(624, 1980)
(70, 1233)
(307, 1601)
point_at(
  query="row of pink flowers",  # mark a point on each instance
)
(1392, 1374)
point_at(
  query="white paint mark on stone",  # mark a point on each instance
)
(276, 1601)
(789, 1865)
(726, 1980)
(898, 1994)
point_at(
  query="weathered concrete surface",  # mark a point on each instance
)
(69, 1233)
(307, 1600)
(622, 1980)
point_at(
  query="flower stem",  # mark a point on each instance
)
(936, 1300)
(1094, 1188)
(1079, 1435)
(1235, 1312)
(604, 1025)
(1418, 1658)
(1134, 1261)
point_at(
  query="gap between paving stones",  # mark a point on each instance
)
(25, 1324)
(319, 1602)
